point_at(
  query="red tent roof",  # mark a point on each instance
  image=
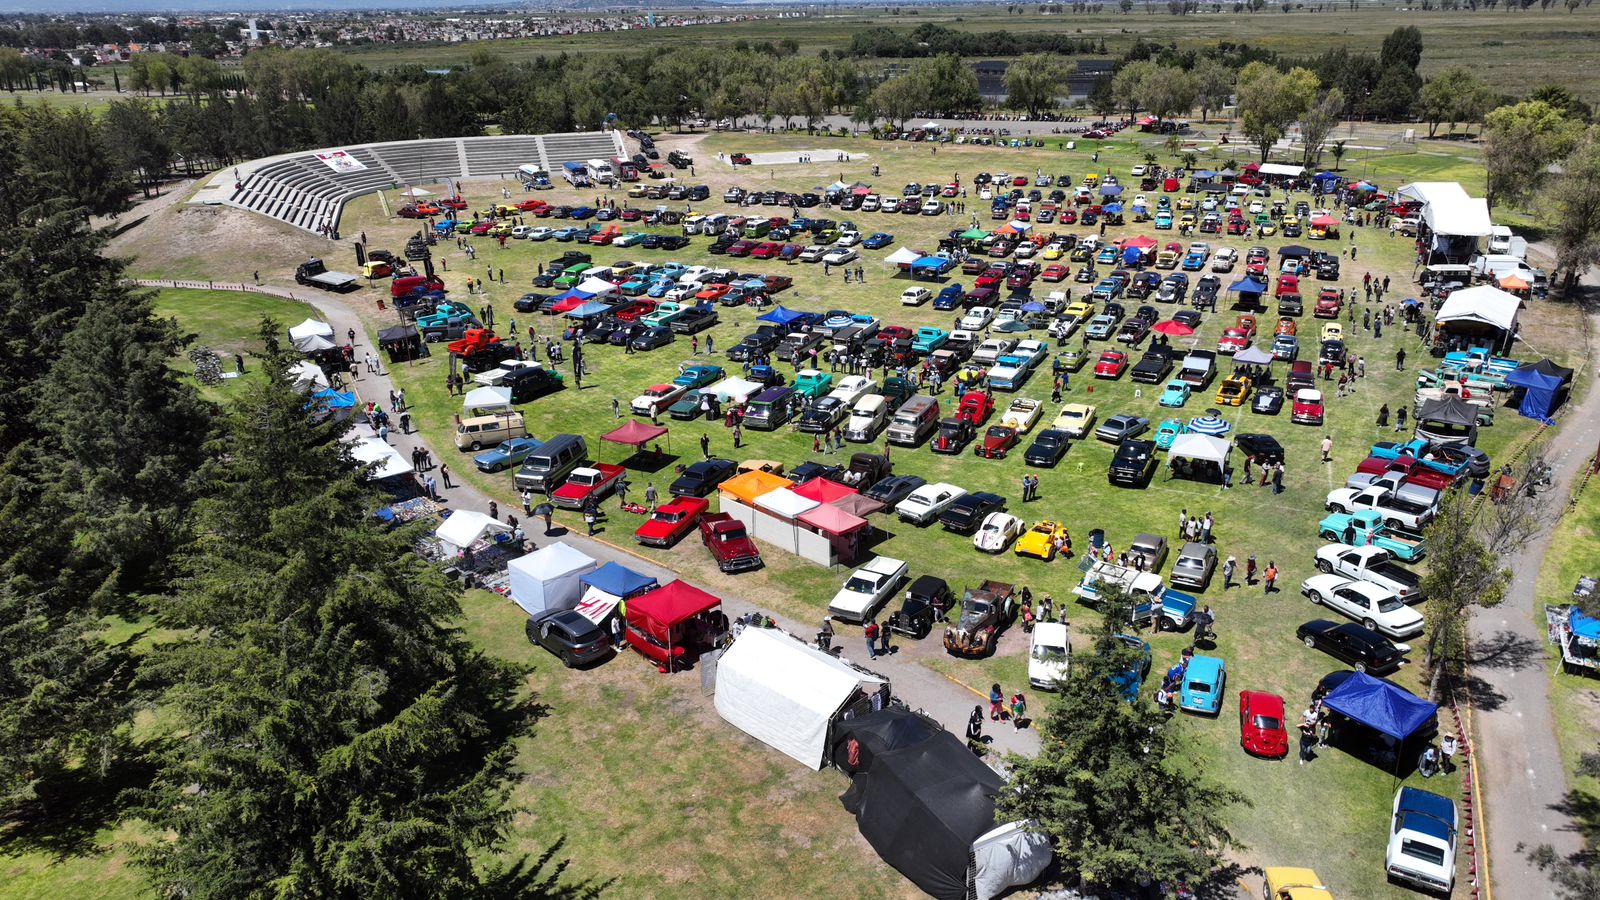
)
(1141, 242)
(1324, 221)
(635, 433)
(656, 612)
(823, 490)
(832, 519)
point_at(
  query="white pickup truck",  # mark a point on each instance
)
(866, 589)
(1396, 511)
(1371, 564)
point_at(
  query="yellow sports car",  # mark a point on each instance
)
(1079, 309)
(1186, 203)
(1289, 883)
(1233, 391)
(1041, 540)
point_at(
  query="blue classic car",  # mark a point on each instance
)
(878, 240)
(950, 297)
(1168, 431)
(1203, 682)
(699, 376)
(506, 455)
(1176, 394)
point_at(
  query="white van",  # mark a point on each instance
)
(713, 225)
(692, 225)
(914, 420)
(1495, 266)
(479, 432)
(866, 418)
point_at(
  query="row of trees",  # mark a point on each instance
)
(329, 731)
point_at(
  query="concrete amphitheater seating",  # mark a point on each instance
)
(301, 190)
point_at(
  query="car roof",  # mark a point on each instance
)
(1262, 701)
(1203, 665)
(1056, 631)
(928, 584)
(1434, 813)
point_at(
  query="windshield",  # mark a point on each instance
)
(1049, 652)
(861, 585)
(1391, 605)
(663, 516)
(1267, 723)
(728, 536)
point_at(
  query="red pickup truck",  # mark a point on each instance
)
(587, 483)
(730, 546)
(669, 523)
(1410, 467)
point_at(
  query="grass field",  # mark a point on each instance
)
(1299, 813)
(227, 322)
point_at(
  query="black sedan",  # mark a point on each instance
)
(528, 303)
(1362, 648)
(927, 600)
(890, 491)
(968, 511)
(1263, 448)
(653, 337)
(1047, 448)
(572, 638)
(700, 479)
(624, 336)
(1268, 401)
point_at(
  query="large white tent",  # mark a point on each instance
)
(465, 526)
(486, 401)
(785, 693)
(597, 287)
(1200, 446)
(905, 256)
(311, 335)
(388, 461)
(1485, 305)
(1448, 210)
(308, 375)
(549, 578)
(734, 390)
(1282, 169)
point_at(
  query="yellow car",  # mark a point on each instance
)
(1081, 310)
(1268, 229)
(1233, 391)
(1055, 251)
(638, 190)
(1186, 203)
(1187, 221)
(504, 209)
(1040, 540)
(500, 228)
(377, 269)
(1091, 180)
(1289, 883)
(1333, 331)
(1076, 419)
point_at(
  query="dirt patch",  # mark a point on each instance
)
(216, 242)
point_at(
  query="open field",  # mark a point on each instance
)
(227, 322)
(1299, 814)
(1513, 51)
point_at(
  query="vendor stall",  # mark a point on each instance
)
(1482, 312)
(738, 494)
(308, 376)
(1389, 717)
(635, 434)
(677, 622)
(776, 513)
(466, 527)
(549, 578)
(788, 694)
(402, 342)
(1199, 457)
(607, 587)
(311, 336)
(841, 533)
(1447, 420)
(486, 401)
(1543, 386)
(382, 458)
(1578, 636)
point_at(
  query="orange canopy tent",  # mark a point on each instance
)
(747, 487)
(1513, 283)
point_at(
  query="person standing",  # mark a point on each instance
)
(494, 510)
(1400, 360)
(433, 489)
(1183, 524)
(870, 632)
(1229, 566)
(1019, 711)
(589, 519)
(650, 496)
(444, 472)
(705, 446)
(975, 730)
(527, 502)
(1205, 528)
(1327, 448)
(618, 631)
(1250, 571)
(883, 640)
(1277, 479)
(1271, 577)
(996, 699)
(544, 511)
(1400, 418)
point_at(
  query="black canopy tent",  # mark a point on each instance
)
(859, 740)
(402, 342)
(922, 807)
(1448, 420)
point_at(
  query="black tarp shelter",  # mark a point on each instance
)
(402, 342)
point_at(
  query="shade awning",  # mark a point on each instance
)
(1324, 222)
(1484, 304)
(310, 328)
(384, 458)
(1447, 209)
(589, 310)
(859, 505)
(1248, 286)
(785, 503)
(832, 520)
(752, 484)
(733, 390)
(904, 256)
(466, 526)
(1449, 411)
(779, 315)
(658, 611)
(1141, 242)
(823, 490)
(486, 399)
(1200, 446)
(595, 286)
(1281, 169)
(398, 334)
(634, 434)
(1380, 705)
(1252, 356)
(974, 234)
(614, 578)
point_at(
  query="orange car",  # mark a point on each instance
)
(429, 209)
(1286, 325)
(1246, 324)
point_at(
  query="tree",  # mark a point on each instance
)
(1168, 91)
(897, 100)
(1403, 47)
(337, 736)
(1128, 84)
(1454, 95)
(1337, 148)
(1520, 143)
(1318, 122)
(1215, 85)
(1395, 93)
(1270, 100)
(133, 128)
(1110, 774)
(1571, 206)
(1032, 83)
(60, 150)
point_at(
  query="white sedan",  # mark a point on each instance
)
(997, 532)
(840, 257)
(866, 589)
(1376, 608)
(915, 296)
(976, 318)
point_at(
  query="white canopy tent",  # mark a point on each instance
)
(1202, 447)
(416, 192)
(1485, 305)
(1008, 856)
(905, 256)
(388, 461)
(311, 336)
(486, 400)
(734, 390)
(1448, 210)
(466, 526)
(785, 503)
(785, 693)
(597, 287)
(548, 578)
(308, 375)
(1282, 169)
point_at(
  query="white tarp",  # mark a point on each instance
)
(308, 375)
(1448, 210)
(465, 526)
(597, 287)
(596, 604)
(1200, 446)
(1281, 169)
(548, 578)
(1009, 856)
(785, 503)
(1485, 304)
(389, 462)
(310, 328)
(480, 401)
(734, 390)
(783, 692)
(904, 256)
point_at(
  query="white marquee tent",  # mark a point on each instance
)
(308, 375)
(311, 335)
(734, 390)
(785, 693)
(1485, 305)
(486, 401)
(389, 462)
(905, 256)
(1448, 210)
(548, 578)
(465, 526)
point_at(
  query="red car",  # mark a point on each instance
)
(482, 228)
(632, 215)
(740, 159)
(1111, 365)
(997, 442)
(460, 203)
(713, 292)
(585, 483)
(976, 406)
(1308, 408)
(635, 310)
(1287, 284)
(1055, 272)
(776, 283)
(1261, 727)
(524, 206)
(1020, 279)
(1233, 340)
(1410, 467)
(1020, 181)
(765, 250)
(602, 238)
(1328, 304)
(1069, 216)
(741, 248)
(991, 277)
(669, 523)
(1238, 226)
(888, 334)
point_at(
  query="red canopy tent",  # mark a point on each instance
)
(1324, 222)
(636, 434)
(656, 622)
(823, 490)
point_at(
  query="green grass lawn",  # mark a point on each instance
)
(227, 322)
(1299, 813)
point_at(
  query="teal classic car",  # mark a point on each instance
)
(1366, 527)
(1168, 431)
(929, 339)
(1176, 394)
(812, 383)
(1203, 681)
(629, 239)
(687, 408)
(699, 376)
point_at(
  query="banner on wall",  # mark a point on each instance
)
(341, 162)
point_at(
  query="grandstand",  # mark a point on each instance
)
(303, 190)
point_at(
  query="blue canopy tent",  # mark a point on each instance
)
(1248, 285)
(1111, 209)
(1324, 177)
(779, 316)
(1204, 175)
(1384, 707)
(589, 310)
(1543, 385)
(618, 580)
(1111, 190)
(930, 267)
(573, 294)
(1132, 256)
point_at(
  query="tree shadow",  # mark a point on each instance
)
(1583, 808)
(542, 876)
(70, 807)
(1505, 649)
(1485, 696)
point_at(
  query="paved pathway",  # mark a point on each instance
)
(919, 686)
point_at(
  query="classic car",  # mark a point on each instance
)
(1175, 394)
(1044, 540)
(671, 521)
(1262, 731)
(997, 532)
(1203, 682)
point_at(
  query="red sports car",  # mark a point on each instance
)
(1111, 365)
(671, 522)
(765, 250)
(1055, 272)
(997, 442)
(1261, 728)
(1233, 340)
(1069, 216)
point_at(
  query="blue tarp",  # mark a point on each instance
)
(779, 316)
(1131, 256)
(589, 310)
(1381, 705)
(930, 262)
(331, 399)
(1541, 384)
(1584, 626)
(1112, 208)
(618, 580)
(1248, 286)
(1325, 176)
(1110, 190)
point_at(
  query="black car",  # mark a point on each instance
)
(811, 471)
(754, 344)
(1364, 649)
(528, 303)
(572, 638)
(953, 436)
(531, 383)
(653, 337)
(968, 512)
(1134, 463)
(1047, 448)
(679, 159)
(1206, 289)
(700, 479)
(1263, 448)
(1332, 351)
(1187, 317)
(822, 414)
(1291, 305)
(1268, 401)
(673, 242)
(927, 600)
(548, 279)
(624, 336)
(890, 491)
(1153, 367)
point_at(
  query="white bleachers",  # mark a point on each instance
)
(301, 190)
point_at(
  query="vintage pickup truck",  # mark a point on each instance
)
(1364, 529)
(1373, 564)
(730, 546)
(587, 483)
(985, 612)
(1143, 591)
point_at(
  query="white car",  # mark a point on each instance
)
(866, 589)
(997, 532)
(841, 256)
(889, 205)
(1063, 327)
(541, 233)
(933, 207)
(1035, 351)
(1049, 657)
(521, 232)
(1376, 608)
(656, 398)
(1025, 250)
(683, 292)
(498, 375)
(853, 388)
(1422, 841)
(915, 296)
(1022, 414)
(1256, 208)
(924, 504)
(986, 193)
(849, 238)
(1137, 171)
(1225, 260)
(992, 349)
(870, 203)
(976, 318)
(813, 253)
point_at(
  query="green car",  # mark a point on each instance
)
(811, 383)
